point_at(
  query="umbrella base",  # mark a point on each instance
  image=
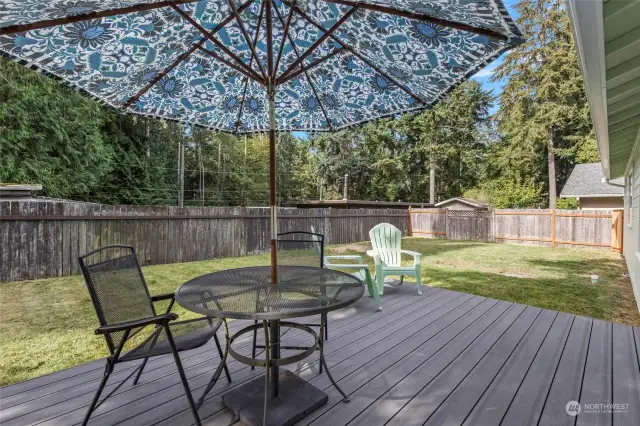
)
(297, 399)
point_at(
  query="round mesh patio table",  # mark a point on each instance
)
(248, 294)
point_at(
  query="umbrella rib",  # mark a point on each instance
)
(246, 81)
(230, 64)
(240, 22)
(362, 58)
(284, 38)
(326, 34)
(313, 88)
(212, 39)
(18, 28)
(286, 77)
(421, 17)
(180, 58)
(270, 43)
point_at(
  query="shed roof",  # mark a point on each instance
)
(468, 201)
(587, 180)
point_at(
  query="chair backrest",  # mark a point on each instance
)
(385, 239)
(300, 248)
(117, 287)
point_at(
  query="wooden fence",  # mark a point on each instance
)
(41, 239)
(600, 229)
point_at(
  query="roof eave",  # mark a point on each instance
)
(588, 32)
(591, 195)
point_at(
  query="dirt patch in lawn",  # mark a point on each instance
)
(358, 248)
(626, 310)
(456, 263)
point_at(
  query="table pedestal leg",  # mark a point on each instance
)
(274, 342)
(278, 399)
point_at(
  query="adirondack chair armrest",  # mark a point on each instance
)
(375, 255)
(416, 256)
(360, 266)
(358, 259)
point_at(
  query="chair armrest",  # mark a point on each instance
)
(411, 253)
(166, 296)
(375, 255)
(349, 266)
(356, 258)
(416, 256)
(160, 320)
(159, 297)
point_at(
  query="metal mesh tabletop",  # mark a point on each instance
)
(247, 293)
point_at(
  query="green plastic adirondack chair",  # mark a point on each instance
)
(387, 254)
(361, 270)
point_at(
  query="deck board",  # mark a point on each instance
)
(442, 358)
(567, 382)
(491, 408)
(529, 401)
(596, 383)
(626, 374)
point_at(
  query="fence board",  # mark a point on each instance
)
(5, 240)
(50, 235)
(566, 228)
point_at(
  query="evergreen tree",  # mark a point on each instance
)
(543, 116)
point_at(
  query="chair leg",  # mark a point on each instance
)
(401, 279)
(107, 372)
(183, 377)
(376, 295)
(226, 369)
(255, 342)
(326, 328)
(323, 320)
(267, 367)
(144, 362)
(419, 280)
(379, 278)
(345, 397)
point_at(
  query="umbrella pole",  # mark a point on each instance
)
(272, 184)
(274, 326)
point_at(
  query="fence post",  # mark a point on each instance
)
(553, 228)
(410, 225)
(493, 226)
(327, 226)
(446, 224)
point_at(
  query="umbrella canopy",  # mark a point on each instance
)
(334, 63)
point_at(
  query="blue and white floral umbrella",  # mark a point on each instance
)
(257, 65)
(335, 62)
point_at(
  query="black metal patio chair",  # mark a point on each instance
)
(297, 248)
(125, 308)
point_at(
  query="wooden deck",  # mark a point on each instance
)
(445, 358)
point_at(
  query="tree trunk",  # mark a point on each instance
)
(181, 174)
(432, 180)
(219, 167)
(551, 164)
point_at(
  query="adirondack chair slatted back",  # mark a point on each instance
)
(385, 239)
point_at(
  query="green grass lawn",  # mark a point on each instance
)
(47, 325)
